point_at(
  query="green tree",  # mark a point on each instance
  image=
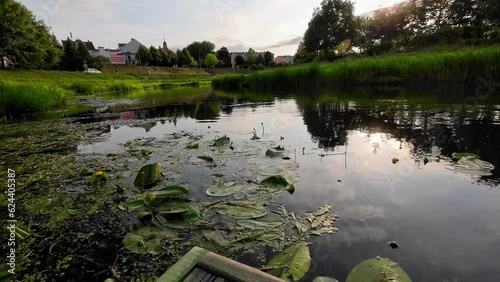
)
(189, 61)
(332, 23)
(143, 55)
(268, 57)
(211, 61)
(224, 55)
(181, 59)
(24, 40)
(98, 62)
(173, 58)
(239, 60)
(154, 56)
(164, 58)
(251, 56)
(81, 53)
(260, 60)
(200, 50)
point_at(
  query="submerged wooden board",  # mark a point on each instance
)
(199, 265)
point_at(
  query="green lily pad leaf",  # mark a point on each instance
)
(98, 178)
(242, 211)
(275, 181)
(137, 205)
(323, 210)
(223, 141)
(148, 175)
(217, 237)
(275, 154)
(146, 152)
(147, 239)
(460, 156)
(268, 222)
(293, 263)
(206, 158)
(291, 189)
(325, 230)
(378, 270)
(324, 279)
(172, 206)
(472, 165)
(193, 146)
(171, 191)
(224, 190)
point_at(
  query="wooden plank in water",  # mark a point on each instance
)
(233, 271)
(179, 271)
(197, 275)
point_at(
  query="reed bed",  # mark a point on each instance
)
(426, 69)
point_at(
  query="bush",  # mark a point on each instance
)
(260, 67)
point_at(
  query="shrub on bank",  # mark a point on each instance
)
(20, 98)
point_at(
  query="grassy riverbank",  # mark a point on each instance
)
(417, 69)
(34, 91)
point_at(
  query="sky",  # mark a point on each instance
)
(264, 25)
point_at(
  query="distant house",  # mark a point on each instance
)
(284, 59)
(129, 51)
(113, 54)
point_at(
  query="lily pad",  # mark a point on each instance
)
(275, 181)
(148, 175)
(378, 270)
(224, 190)
(462, 155)
(148, 239)
(217, 237)
(293, 263)
(223, 141)
(242, 211)
(194, 146)
(472, 166)
(268, 222)
(275, 154)
(206, 158)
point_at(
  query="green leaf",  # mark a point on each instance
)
(206, 158)
(147, 239)
(291, 189)
(255, 137)
(324, 279)
(268, 222)
(148, 175)
(275, 154)
(275, 181)
(146, 152)
(462, 155)
(136, 205)
(378, 270)
(293, 263)
(242, 211)
(224, 190)
(269, 236)
(193, 146)
(223, 141)
(217, 237)
(172, 206)
(171, 191)
(98, 178)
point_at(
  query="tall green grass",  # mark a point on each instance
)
(419, 69)
(19, 98)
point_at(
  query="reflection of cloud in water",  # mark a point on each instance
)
(362, 212)
(343, 192)
(357, 234)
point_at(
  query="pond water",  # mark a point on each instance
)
(446, 220)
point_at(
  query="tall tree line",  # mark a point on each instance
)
(406, 25)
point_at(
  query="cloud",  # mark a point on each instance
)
(283, 43)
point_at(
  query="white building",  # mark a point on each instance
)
(129, 51)
(284, 59)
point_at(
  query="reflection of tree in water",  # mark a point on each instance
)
(445, 130)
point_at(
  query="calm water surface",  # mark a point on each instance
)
(446, 223)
